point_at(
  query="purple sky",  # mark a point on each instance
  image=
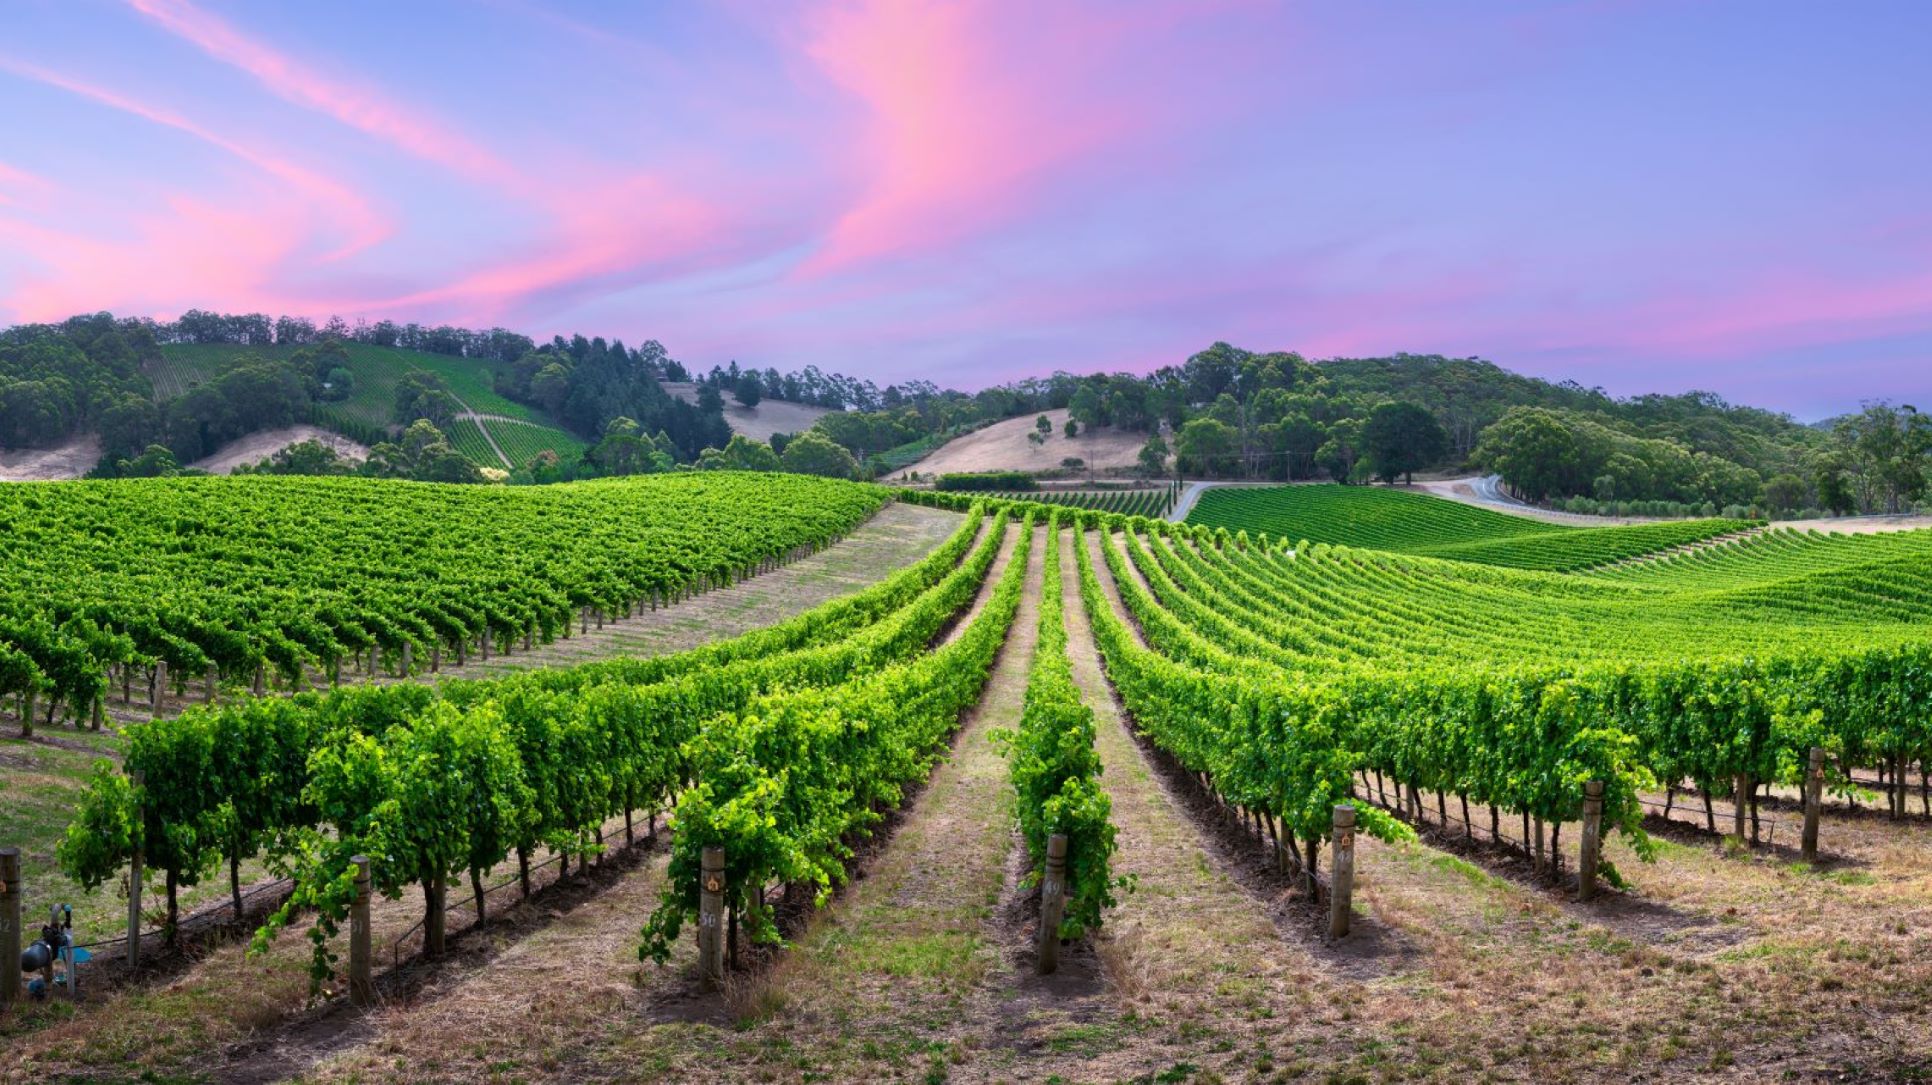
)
(1644, 196)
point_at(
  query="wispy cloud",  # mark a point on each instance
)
(359, 224)
(362, 107)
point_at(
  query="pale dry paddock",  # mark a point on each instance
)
(258, 446)
(69, 460)
(760, 422)
(1003, 446)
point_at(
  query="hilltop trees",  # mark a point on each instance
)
(1401, 438)
(748, 391)
(1878, 459)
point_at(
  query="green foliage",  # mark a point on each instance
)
(787, 781)
(985, 482)
(1416, 523)
(1402, 438)
(1144, 502)
(298, 573)
(106, 830)
(1546, 453)
(1056, 771)
(811, 453)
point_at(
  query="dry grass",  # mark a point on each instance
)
(1003, 446)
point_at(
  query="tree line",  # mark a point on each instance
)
(1224, 412)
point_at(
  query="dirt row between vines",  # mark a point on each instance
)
(1717, 965)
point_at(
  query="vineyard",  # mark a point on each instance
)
(248, 580)
(1095, 742)
(371, 402)
(1155, 503)
(1411, 523)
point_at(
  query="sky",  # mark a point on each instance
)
(1728, 196)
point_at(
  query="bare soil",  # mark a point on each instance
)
(65, 461)
(760, 422)
(1003, 446)
(258, 446)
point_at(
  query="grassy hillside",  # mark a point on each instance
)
(1414, 523)
(1359, 516)
(376, 370)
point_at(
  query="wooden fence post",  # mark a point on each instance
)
(711, 889)
(9, 926)
(1053, 903)
(1341, 872)
(1814, 798)
(362, 990)
(160, 685)
(1591, 848)
(407, 652)
(134, 889)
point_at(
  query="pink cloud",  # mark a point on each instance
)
(159, 264)
(967, 105)
(21, 182)
(361, 108)
(624, 229)
(362, 226)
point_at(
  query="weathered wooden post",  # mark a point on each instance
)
(260, 671)
(160, 685)
(483, 640)
(1053, 903)
(9, 926)
(134, 886)
(583, 619)
(1341, 880)
(711, 889)
(1814, 798)
(209, 681)
(1590, 851)
(435, 656)
(362, 990)
(408, 651)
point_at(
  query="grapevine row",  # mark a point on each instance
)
(546, 761)
(296, 575)
(1055, 768)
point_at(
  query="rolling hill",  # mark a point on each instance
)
(517, 430)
